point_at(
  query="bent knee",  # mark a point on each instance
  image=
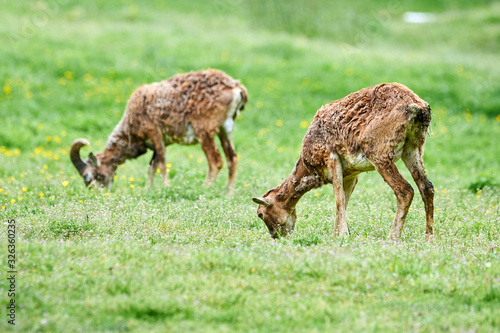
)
(218, 164)
(406, 194)
(429, 188)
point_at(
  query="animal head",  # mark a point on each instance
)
(278, 220)
(92, 170)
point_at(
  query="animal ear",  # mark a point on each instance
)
(262, 201)
(94, 161)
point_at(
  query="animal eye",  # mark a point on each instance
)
(99, 177)
(261, 216)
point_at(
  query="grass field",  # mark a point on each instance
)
(189, 259)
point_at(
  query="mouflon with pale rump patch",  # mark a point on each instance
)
(367, 130)
(186, 109)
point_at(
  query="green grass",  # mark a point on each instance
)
(185, 258)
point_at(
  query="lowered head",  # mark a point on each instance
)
(92, 170)
(278, 220)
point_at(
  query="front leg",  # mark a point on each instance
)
(402, 190)
(158, 160)
(349, 185)
(335, 169)
(153, 165)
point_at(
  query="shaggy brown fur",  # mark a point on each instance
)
(367, 130)
(186, 109)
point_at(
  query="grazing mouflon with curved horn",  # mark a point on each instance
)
(367, 130)
(186, 109)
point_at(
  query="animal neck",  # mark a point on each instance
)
(110, 160)
(301, 180)
(118, 150)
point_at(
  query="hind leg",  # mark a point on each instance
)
(232, 160)
(213, 157)
(412, 157)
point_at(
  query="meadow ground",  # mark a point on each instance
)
(185, 258)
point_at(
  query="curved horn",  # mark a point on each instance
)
(75, 154)
(262, 201)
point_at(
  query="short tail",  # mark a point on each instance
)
(244, 96)
(420, 113)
